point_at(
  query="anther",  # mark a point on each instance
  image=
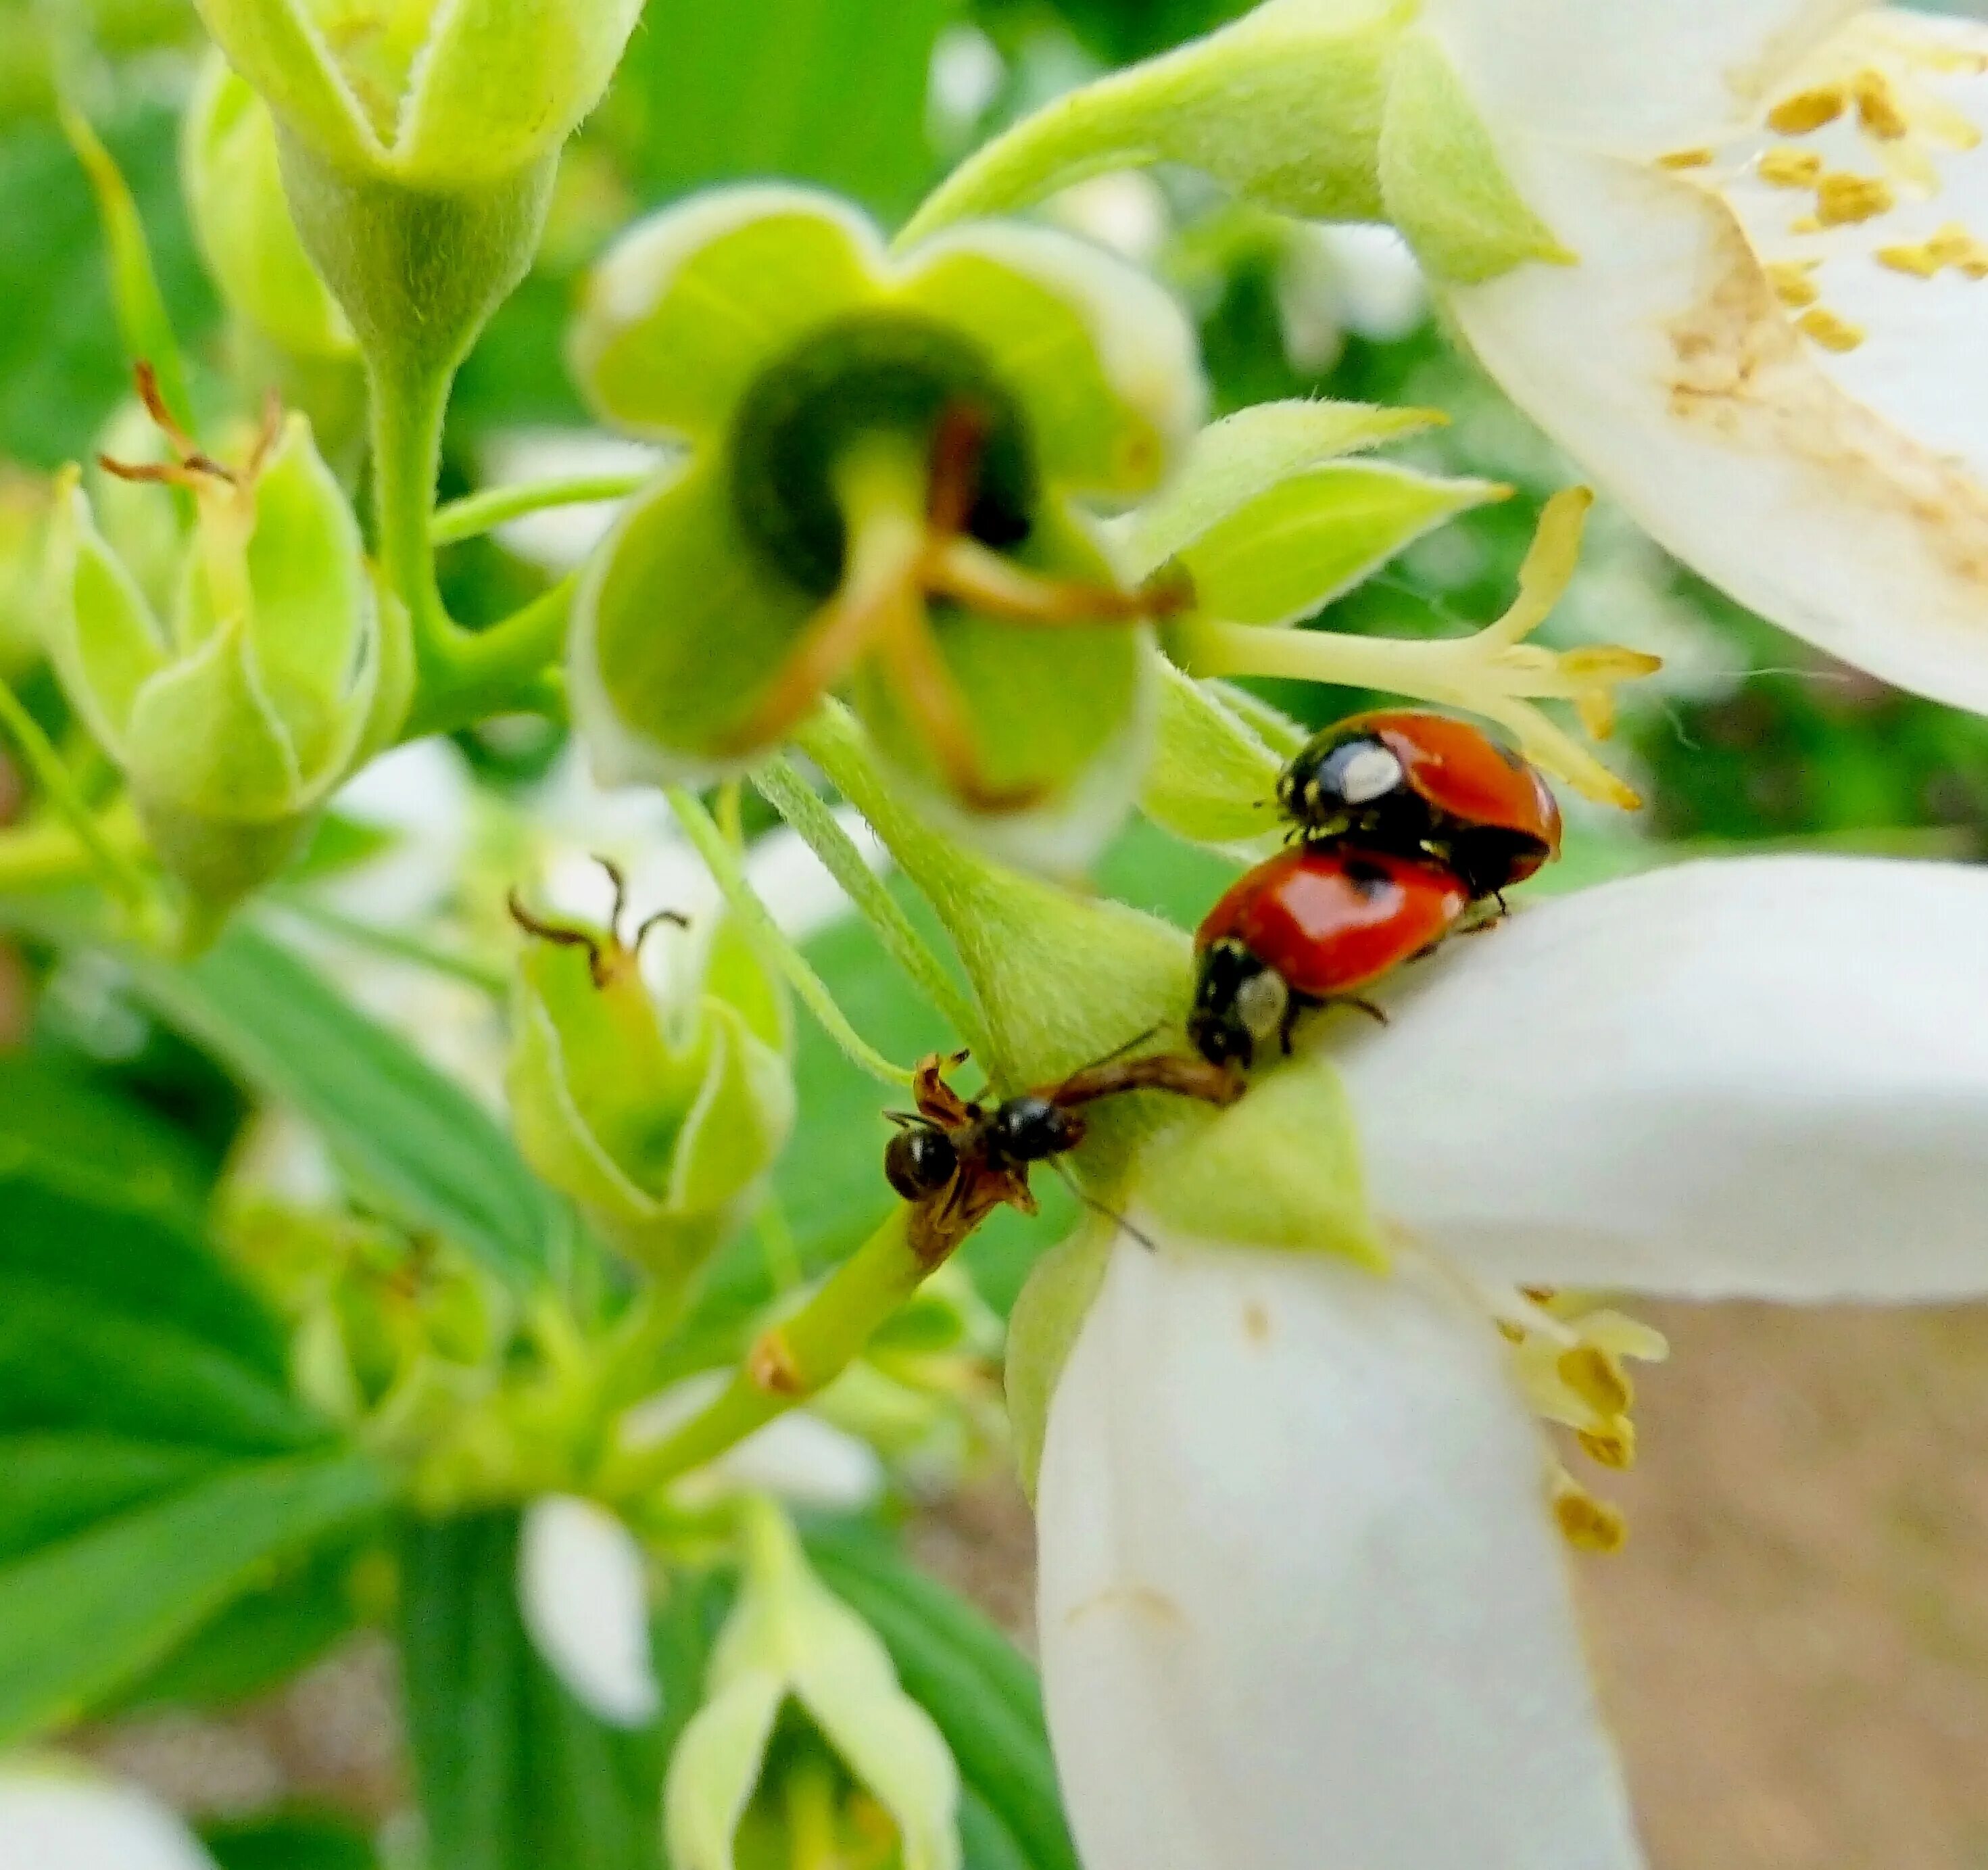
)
(1686, 158)
(1586, 1524)
(1805, 110)
(1792, 283)
(1919, 261)
(1828, 330)
(1877, 107)
(1598, 1379)
(1789, 168)
(1843, 199)
(1612, 1447)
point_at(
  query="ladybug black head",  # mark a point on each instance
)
(1240, 1003)
(921, 1161)
(1031, 1129)
(1343, 781)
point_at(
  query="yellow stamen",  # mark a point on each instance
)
(1831, 331)
(1805, 224)
(1613, 1447)
(1586, 1524)
(1920, 262)
(1789, 168)
(1686, 158)
(1878, 107)
(1952, 245)
(1597, 1379)
(1843, 199)
(1796, 116)
(1791, 282)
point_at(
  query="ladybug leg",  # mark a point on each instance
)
(1377, 1014)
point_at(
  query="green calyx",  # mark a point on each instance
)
(884, 499)
(1334, 109)
(435, 95)
(659, 1120)
(282, 667)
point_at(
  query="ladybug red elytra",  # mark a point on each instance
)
(1312, 924)
(1414, 784)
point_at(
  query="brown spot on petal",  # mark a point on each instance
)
(1139, 1601)
(1256, 1322)
(1740, 369)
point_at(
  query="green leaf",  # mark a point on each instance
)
(294, 1840)
(977, 1687)
(59, 1483)
(1247, 454)
(1212, 779)
(826, 91)
(1289, 552)
(80, 1618)
(416, 1144)
(513, 1773)
(54, 1112)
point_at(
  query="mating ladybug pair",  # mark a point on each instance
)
(1403, 820)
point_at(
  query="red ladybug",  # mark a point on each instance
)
(1423, 785)
(1309, 925)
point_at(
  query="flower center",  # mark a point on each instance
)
(876, 375)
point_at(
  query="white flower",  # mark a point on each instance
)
(1303, 1599)
(1769, 347)
(57, 1816)
(583, 1592)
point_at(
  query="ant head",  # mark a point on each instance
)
(921, 1161)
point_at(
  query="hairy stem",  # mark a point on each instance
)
(479, 513)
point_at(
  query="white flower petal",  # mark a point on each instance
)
(1767, 1076)
(583, 1591)
(1667, 365)
(1302, 1605)
(55, 1817)
(1628, 74)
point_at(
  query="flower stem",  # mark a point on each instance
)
(729, 872)
(112, 865)
(791, 1361)
(410, 401)
(810, 819)
(479, 513)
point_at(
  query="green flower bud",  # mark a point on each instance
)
(887, 493)
(1336, 110)
(437, 95)
(24, 504)
(790, 1639)
(280, 670)
(660, 1120)
(234, 194)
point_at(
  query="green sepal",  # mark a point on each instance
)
(1284, 107)
(1213, 779)
(1243, 456)
(789, 1637)
(659, 1121)
(1279, 1169)
(102, 635)
(234, 189)
(438, 96)
(1043, 1331)
(1443, 182)
(1285, 554)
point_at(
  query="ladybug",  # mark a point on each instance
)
(1314, 924)
(1416, 784)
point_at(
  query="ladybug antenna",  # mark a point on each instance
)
(1130, 1045)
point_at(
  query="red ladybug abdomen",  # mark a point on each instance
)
(1463, 773)
(1331, 921)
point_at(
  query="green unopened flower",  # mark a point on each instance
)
(433, 94)
(791, 1639)
(234, 194)
(660, 1120)
(882, 495)
(280, 668)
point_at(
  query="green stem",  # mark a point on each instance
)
(510, 668)
(479, 513)
(119, 875)
(774, 949)
(792, 1362)
(809, 816)
(410, 401)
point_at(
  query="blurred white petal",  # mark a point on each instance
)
(55, 1816)
(583, 1591)
(1302, 1603)
(1765, 1077)
(422, 797)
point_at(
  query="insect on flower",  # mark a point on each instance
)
(957, 1160)
(1309, 926)
(1410, 783)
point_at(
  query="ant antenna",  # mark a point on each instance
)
(536, 926)
(1130, 1045)
(1097, 1207)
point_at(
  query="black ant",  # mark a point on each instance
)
(956, 1160)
